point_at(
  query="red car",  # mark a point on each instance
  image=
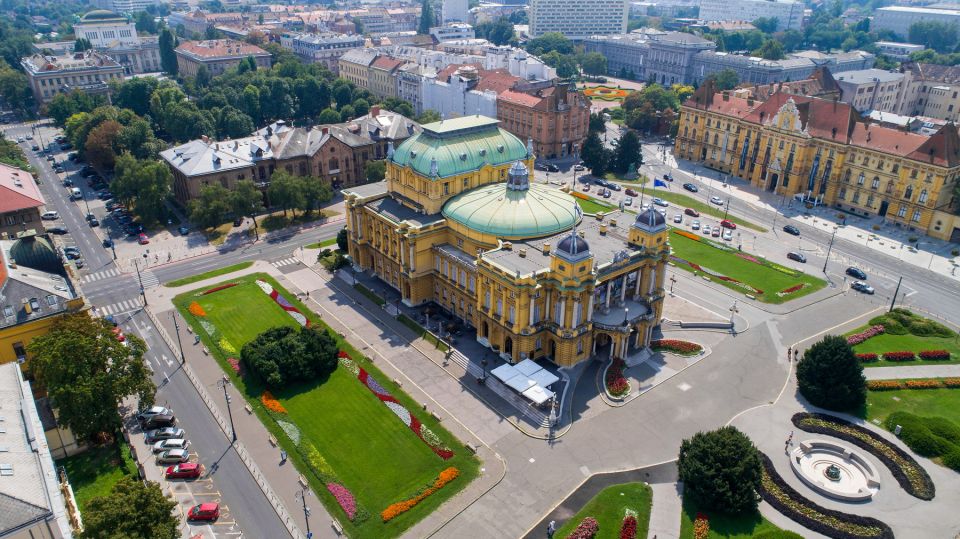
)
(726, 223)
(119, 334)
(691, 212)
(630, 192)
(142, 239)
(204, 511)
(186, 470)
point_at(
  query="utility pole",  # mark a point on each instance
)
(183, 358)
(302, 496)
(895, 292)
(223, 383)
(136, 264)
(829, 248)
(727, 209)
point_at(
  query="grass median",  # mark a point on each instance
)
(685, 201)
(609, 507)
(207, 275)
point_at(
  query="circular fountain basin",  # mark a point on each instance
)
(835, 470)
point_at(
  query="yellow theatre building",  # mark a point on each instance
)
(459, 222)
(822, 149)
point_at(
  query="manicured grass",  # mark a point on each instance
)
(369, 294)
(421, 331)
(684, 201)
(209, 274)
(609, 506)
(369, 449)
(923, 402)
(218, 234)
(321, 244)
(912, 343)
(278, 221)
(764, 278)
(94, 472)
(622, 178)
(730, 526)
(592, 206)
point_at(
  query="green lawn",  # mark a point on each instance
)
(684, 201)
(592, 206)
(369, 449)
(731, 527)
(622, 178)
(321, 244)
(370, 294)
(609, 506)
(902, 343)
(728, 263)
(923, 402)
(94, 472)
(209, 274)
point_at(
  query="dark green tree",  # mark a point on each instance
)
(246, 199)
(144, 185)
(210, 209)
(830, 375)
(285, 191)
(565, 64)
(770, 50)
(343, 239)
(134, 94)
(725, 79)
(63, 106)
(347, 113)
(597, 123)
(168, 58)
(285, 355)
(315, 192)
(328, 116)
(428, 116)
(721, 470)
(342, 93)
(375, 170)
(627, 156)
(111, 516)
(361, 107)
(594, 155)
(202, 80)
(594, 63)
(550, 41)
(767, 25)
(936, 35)
(88, 389)
(82, 44)
(427, 18)
(146, 23)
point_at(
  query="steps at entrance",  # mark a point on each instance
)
(638, 358)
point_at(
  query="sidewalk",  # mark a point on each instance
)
(913, 371)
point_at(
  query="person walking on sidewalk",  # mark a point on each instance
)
(551, 528)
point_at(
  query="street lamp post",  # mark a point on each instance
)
(136, 264)
(222, 384)
(176, 326)
(483, 363)
(302, 496)
(112, 244)
(256, 230)
(829, 248)
(727, 209)
(733, 310)
(673, 281)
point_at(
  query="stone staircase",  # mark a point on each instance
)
(638, 358)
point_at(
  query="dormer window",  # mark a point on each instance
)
(7, 311)
(500, 148)
(34, 304)
(463, 157)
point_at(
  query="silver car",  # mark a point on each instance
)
(695, 225)
(173, 456)
(165, 433)
(170, 444)
(678, 218)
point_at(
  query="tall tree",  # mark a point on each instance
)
(721, 470)
(725, 79)
(375, 170)
(427, 18)
(82, 44)
(168, 58)
(594, 63)
(285, 191)
(767, 25)
(101, 146)
(550, 41)
(627, 156)
(246, 199)
(134, 94)
(143, 185)
(770, 50)
(937, 35)
(146, 23)
(100, 373)
(830, 375)
(594, 155)
(210, 209)
(328, 116)
(134, 509)
(315, 192)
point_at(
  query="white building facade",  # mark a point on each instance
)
(899, 19)
(578, 19)
(455, 11)
(789, 14)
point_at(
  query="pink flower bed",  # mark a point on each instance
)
(628, 529)
(792, 289)
(867, 358)
(283, 303)
(858, 338)
(586, 530)
(235, 365)
(344, 498)
(717, 275)
(899, 356)
(217, 289)
(934, 354)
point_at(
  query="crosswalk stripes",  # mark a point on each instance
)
(99, 275)
(149, 279)
(120, 307)
(285, 262)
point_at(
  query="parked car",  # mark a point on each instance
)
(630, 192)
(614, 186)
(67, 182)
(107, 243)
(86, 171)
(715, 232)
(73, 156)
(606, 193)
(29, 137)
(716, 200)
(628, 201)
(166, 433)
(186, 470)
(71, 249)
(105, 195)
(705, 230)
(691, 212)
(728, 236)
(66, 146)
(208, 511)
(50, 216)
(170, 444)
(695, 224)
(94, 222)
(142, 239)
(152, 412)
(678, 218)
(792, 230)
(59, 230)
(857, 273)
(727, 223)
(160, 421)
(35, 148)
(863, 287)
(690, 187)
(660, 202)
(586, 188)
(183, 230)
(668, 177)
(579, 167)
(793, 255)
(173, 456)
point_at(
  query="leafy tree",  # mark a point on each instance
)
(427, 18)
(550, 41)
(329, 116)
(565, 64)
(137, 137)
(202, 80)
(146, 23)
(767, 25)
(134, 94)
(285, 355)
(315, 192)
(144, 185)
(595, 157)
(594, 63)
(770, 50)
(830, 375)
(498, 32)
(233, 123)
(63, 106)
(285, 192)
(132, 509)
(721, 470)
(100, 373)
(399, 106)
(791, 40)
(347, 113)
(210, 209)
(936, 35)
(428, 117)
(361, 107)
(14, 88)
(597, 123)
(101, 146)
(375, 170)
(725, 79)
(343, 240)
(82, 44)
(627, 156)
(246, 199)
(168, 58)
(342, 93)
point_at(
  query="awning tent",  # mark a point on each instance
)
(520, 383)
(528, 379)
(544, 378)
(527, 367)
(505, 372)
(538, 394)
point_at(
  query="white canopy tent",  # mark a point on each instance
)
(527, 367)
(528, 379)
(504, 372)
(538, 394)
(544, 378)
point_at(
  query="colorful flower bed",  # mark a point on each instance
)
(217, 289)
(283, 303)
(196, 310)
(344, 498)
(399, 508)
(934, 354)
(225, 345)
(716, 275)
(792, 289)
(884, 385)
(908, 473)
(951, 382)
(858, 338)
(683, 348)
(868, 357)
(429, 437)
(271, 403)
(775, 491)
(235, 365)
(701, 527)
(628, 529)
(605, 93)
(586, 530)
(899, 356)
(291, 430)
(617, 384)
(922, 383)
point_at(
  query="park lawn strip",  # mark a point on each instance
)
(887, 342)
(685, 201)
(370, 294)
(321, 244)
(724, 526)
(593, 207)
(207, 275)
(375, 455)
(608, 508)
(422, 332)
(923, 402)
(769, 280)
(95, 471)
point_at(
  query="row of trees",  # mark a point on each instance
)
(625, 157)
(561, 54)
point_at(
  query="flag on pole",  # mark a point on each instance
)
(659, 183)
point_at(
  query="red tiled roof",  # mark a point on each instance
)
(220, 47)
(18, 190)
(498, 80)
(519, 98)
(386, 63)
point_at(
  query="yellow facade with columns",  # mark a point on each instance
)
(458, 222)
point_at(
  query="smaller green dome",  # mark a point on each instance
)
(36, 252)
(100, 15)
(513, 214)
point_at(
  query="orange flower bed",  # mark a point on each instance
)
(196, 310)
(605, 93)
(400, 508)
(951, 382)
(701, 526)
(272, 403)
(884, 385)
(927, 383)
(686, 234)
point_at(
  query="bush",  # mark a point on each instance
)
(944, 428)
(934, 354)
(899, 356)
(830, 375)
(286, 355)
(916, 433)
(331, 260)
(720, 470)
(952, 459)
(902, 321)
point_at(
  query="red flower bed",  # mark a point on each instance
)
(617, 385)
(866, 358)
(235, 365)
(934, 354)
(951, 382)
(628, 530)
(858, 338)
(218, 288)
(926, 383)
(586, 530)
(884, 385)
(899, 356)
(675, 345)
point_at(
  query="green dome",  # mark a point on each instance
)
(100, 15)
(513, 214)
(452, 147)
(36, 252)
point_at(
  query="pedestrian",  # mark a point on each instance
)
(283, 456)
(551, 528)
(790, 439)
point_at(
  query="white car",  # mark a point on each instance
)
(173, 456)
(706, 230)
(50, 216)
(728, 235)
(660, 202)
(628, 201)
(678, 218)
(695, 225)
(169, 444)
(153, 411)
(716, 200)
(166, 433)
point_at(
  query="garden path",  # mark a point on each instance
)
(912, 371)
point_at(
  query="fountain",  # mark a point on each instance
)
(835, 470)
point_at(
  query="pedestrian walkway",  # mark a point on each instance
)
(285, 262)
(120, 307)
(148, 279)
(100, 275)
(912, 371)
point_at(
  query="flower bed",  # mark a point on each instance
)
(271, 403)
(217, 289)
(196, 310)
(344, 498)
(909, 474)
(235, 365)
(283, 303)
(586, 530)
(225, 345)
(921, 383)
(884, 385)
(858, 338)
(792, 289)
(716, 275)
(701, 526)
(628, 529)
(867, 358)
(683, 348)
(617, 384)
(951, 382)
(775, 491)
(899, 356)
(924, 383)
(429, 437)
(399, 508)
(605, 93)
(934, 354)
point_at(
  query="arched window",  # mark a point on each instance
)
(923, 197)
(908, 194)
(889, 189)
(875, 184)
(846, 176)
(860, 179)
(333, 164)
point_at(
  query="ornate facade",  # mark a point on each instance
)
(458, 222)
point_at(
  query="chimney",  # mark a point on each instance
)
(546, 248)
(523, 253)
(603, 230)
(726, 95)
(324, 130)
(750, 101)
(507, 246)
(205, 139)
(375, 111)
(869, 136)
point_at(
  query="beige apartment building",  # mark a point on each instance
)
(218, 55)
(87, 72)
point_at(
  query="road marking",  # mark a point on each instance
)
(167, 360)
(685, 387)
(120, 307)
(284, 262)
(103, 274)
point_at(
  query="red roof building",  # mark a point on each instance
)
(20, 202)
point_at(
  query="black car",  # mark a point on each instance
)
(57, 230)
(159, 421)
(94, 222)
(856, 273)
(67, 182)
(66, 146)
(87, 171)
(793, 255)
(184, 231)
(690, 187)
(553, 168)
(238, 221)
(71, 255)
(107, 243)
(792, 230)
(105, 195)
(73, 156)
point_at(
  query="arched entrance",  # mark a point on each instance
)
(484, 330)
(508, 346)
(601, 345)
(774, 180)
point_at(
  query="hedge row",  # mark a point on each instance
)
(928, 436)
(908, 473)
(775, 491)
(903, 321)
